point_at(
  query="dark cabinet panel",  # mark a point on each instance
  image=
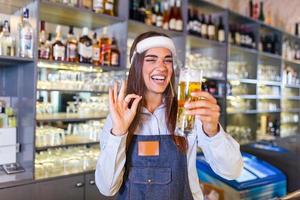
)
(18, 193)
(62, 189)
(91, 190)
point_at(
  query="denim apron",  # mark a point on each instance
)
(162, 177)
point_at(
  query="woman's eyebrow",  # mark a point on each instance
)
(155, 56)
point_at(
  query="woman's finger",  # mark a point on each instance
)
(204, 95)
(135, 104)
(202, 111)
(115, 91)
(122, 90)
(207, 119)
(202, 104)
(128, 99)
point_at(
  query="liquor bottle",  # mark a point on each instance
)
(25, 36)
(86, 4)
(166, 16)
(255, 10)
(172, 19)
(261, 16)
(85, 49)
(190, 22)
(154, 14)
(115, 54)
(98, 6)
(105, 52)
(49, 45)
(109, 7)
(133, 9)
(221, 31)
(237, 35)
(141, 11)
(96, 50)
(44, 50)
(211, 28)
(179, 22)
(251, 8)
(197, 23)
(1, 38)
(204, 33)
(8, 47)
(148, 13)
(71, 46)
(159, 16)
(297, 29)
(58, 48)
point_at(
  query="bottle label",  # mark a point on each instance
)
(58, 51)
(179, 25)
(85, 51)
(44, 52)
(153, 19)
(204, 29)
(172, 24)
(115, 59)
(96, 53)
(108, 6)
(221, 35)
(211, 30)
(72, 51)
(166, 25)
(26, 40)
(97, 4)
(159, 20)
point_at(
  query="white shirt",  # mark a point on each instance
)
(221, 151)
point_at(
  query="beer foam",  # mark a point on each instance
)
(190, 75)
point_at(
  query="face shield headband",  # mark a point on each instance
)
(154, 42)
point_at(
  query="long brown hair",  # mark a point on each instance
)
(136, 85)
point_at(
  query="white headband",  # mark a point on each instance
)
(154, 42)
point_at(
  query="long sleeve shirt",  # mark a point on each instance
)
(221, 152)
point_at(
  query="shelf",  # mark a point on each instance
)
(269, 55)
(213, 78)
(135, 28)
(198, 42)
(11, 6)
(268, 97)
(296, 110)
(242, 112)
(72, 91)
(69, 117)
(58, 13)
(291, 98)
(291, 61)
(250, 81)
(263, 82)
(12, 60)
(239, 49)
(70, 140)
(230, 97)
(292, 86)
(83, 67)
(268, 111)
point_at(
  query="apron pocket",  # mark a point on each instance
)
(150, 183)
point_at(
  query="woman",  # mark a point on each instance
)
(140, 157)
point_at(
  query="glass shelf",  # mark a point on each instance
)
(76, 66)
(241, 97)
(12, 60)
(244, 80)
(269, 55)
(268, 97)
(72, 91)
(67, 117)
(238, 49)
(58, 13)
(263, 82)
(70, 140)
(198, 42)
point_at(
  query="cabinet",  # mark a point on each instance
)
(18, 193)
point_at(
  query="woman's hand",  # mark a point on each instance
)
(207, 110)
(121, 115)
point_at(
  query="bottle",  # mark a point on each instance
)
(85, 49)
(109, 7)
(166, 16)
(196, 23)
(211, 28)
(115, 54)
(58, 48)
(159, 16)
(297, 29)
(172, 19)
(221, 31)
(261, 16)
(251, 8)
(44, 50)
(154, 14)
(141, 11)
(178, 17)
(98, 6)
(25, 36)
(71, 46)
(49, 45)
(133, 9)
(1, 38)
(190, 22)
(148, 13)
(105, 49)
(203, 27)
(8, 48)
(86, 4)
(96, 50)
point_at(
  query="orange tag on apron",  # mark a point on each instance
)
(148, 148)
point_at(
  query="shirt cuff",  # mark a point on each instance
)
(216, 137)
(117, 139)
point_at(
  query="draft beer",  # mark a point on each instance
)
(190, 80)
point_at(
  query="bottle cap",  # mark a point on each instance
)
(25, 13)
(85, 31)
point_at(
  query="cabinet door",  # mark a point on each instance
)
(62, 189)
(91, 190)
(18, 193)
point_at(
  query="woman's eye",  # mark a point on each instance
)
(168, 61)
(150, 60)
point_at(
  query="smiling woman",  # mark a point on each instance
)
(141, 157)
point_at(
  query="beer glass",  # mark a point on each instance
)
(190, 80)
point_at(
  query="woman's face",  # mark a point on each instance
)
(157, 69)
